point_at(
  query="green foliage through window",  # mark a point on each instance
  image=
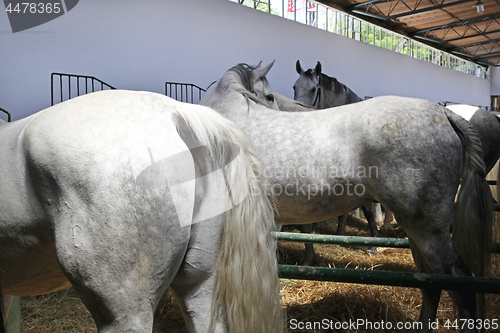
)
(327, 18)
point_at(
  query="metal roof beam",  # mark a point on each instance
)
(491, 41)
(487, 56)
(412, 12)
(471, 36)
(459, 23)
(368, 3)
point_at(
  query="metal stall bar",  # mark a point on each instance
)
(92, 79)
(183, 92)
(9, 118)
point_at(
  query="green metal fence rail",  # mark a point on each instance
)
(386, 278)
(401, 243)
(12, 308)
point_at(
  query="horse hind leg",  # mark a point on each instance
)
(195, 282)
(379, 218)
(435, 253)
(369, 211)
(430, 297)
(341, 225)
(118, 266)
(389, 217)
(310, 255)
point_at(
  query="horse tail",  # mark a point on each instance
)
(473, 221)
(247, 287)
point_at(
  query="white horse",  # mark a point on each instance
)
(408, 154)
(122, 194)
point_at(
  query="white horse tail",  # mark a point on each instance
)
(247, 288)
(473, 222)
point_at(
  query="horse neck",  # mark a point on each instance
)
(353, 98)
(287, 104)
(334, 93)
(228, 102)
(210, 96)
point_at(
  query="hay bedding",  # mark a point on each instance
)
(305, 301)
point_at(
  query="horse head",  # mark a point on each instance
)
(260, 85)
(307, 88)
(321, 91)
(250, 81)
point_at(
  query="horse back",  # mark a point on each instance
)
(83, 170)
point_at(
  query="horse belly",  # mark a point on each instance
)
(34, 271)
(315, 205)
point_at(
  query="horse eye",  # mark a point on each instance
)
(270, 97)
(313, 89)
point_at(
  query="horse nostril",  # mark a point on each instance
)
(270, 97)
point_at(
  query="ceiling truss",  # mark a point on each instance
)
(450, 25)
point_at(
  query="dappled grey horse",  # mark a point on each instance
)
(321, 91)
(408, 154)
(122, 194)
(334, 93)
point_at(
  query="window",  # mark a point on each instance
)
(332, 20)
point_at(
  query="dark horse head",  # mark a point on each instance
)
(319, 90)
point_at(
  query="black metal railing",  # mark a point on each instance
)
(67, 86)
(9, 118)
(184, 92)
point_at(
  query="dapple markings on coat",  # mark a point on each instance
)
(421, 149)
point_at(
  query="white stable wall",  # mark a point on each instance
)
(495, 81)
(141, 44)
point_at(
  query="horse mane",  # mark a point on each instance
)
(240, 79)
(331, 83)
(309, 73)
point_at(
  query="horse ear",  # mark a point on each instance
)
(260, 72)
(298, 68)
(317, 69)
